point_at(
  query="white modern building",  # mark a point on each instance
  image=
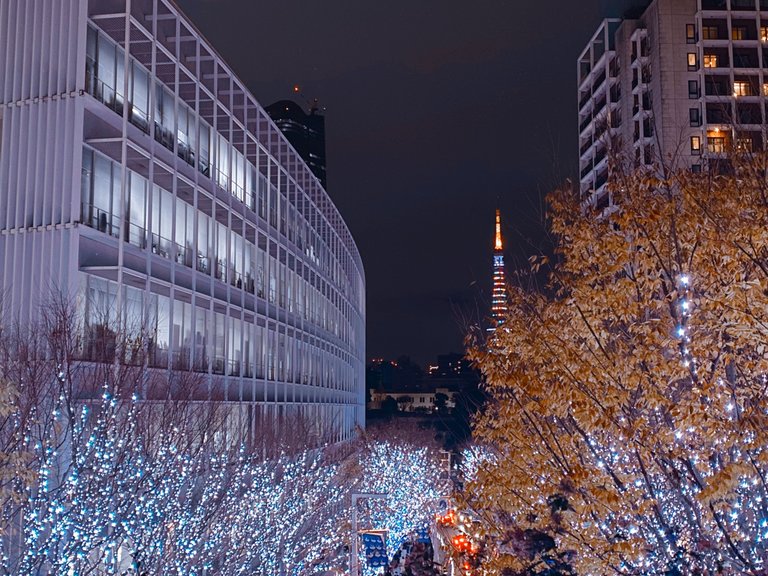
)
(682, 83)
(141, 177)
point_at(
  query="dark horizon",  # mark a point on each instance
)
(435, 116)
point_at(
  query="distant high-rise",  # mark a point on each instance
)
(305, 132)
(682, 82)
(499, 294)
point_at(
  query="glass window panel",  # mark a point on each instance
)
(205, 149)
(272, 279)
(155, 216)
(106, 67)
(134, 311)
(221, 252)
(219, 348)
(189, 240)
(222, 162)
(238, 187)
(262, 184)
(203, 249)
(137, 209)
(260, 272)
(201, 338)
(247, 350)
(235, 346)
(180, 236)
(86, 180)
(166, 214)
(258, 352)
(90, 60)
(119, 80)
(237, 257)
(163, 334)
(139, 96)
(168, 111)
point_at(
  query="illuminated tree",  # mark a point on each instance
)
(629, 416)
(126, 470)
(402, 462)
(13, 459)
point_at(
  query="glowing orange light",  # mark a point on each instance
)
(498, 230)
(447, 519)
(296, 88)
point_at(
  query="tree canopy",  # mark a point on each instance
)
(629, 417)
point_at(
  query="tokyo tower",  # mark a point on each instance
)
(499, 295)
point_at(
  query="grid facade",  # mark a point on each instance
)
(684, 84)
(140, 176)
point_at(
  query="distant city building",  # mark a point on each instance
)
(499, 294)
(305, 132)
(427, 401)
(400, 374)
(680, 82)
(451, 365)
(141, 178)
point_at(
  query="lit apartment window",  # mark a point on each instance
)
(694, 115)
(690, 33)
(744, 144)
(709, 32)
(710, 60)
(695, 144)
(716, 144)
(739, 33)
(763, 33)
(693, 61)
(693, 88)
(741, 88)
(765, 88)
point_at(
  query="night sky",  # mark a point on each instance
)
(437, 112)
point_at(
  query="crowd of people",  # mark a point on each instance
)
(414, 559)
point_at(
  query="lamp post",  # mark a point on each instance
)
(353, 568)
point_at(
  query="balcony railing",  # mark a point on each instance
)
(104, 93)
(99, 344)
(100, 220)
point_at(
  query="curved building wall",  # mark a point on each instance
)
(137, 172)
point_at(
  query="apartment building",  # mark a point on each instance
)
(141, 178)
(680, 83)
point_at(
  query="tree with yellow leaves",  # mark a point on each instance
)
(629, 415)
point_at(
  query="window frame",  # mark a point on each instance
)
(690, 33)
(707, 33)
(694, 117)
(716, 144)
(694, 92)
(741, 88)
(695, 145)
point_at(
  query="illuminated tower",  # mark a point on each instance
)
(499, 297)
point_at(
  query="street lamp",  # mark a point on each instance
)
(353, 568)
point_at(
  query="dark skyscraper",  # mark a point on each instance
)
(305, 132)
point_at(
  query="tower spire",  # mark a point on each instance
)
(498, 230)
